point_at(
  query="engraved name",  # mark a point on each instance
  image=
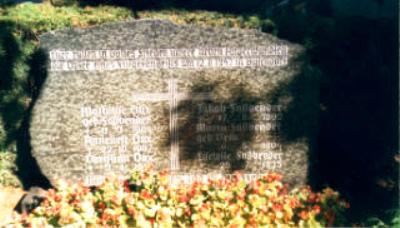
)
(148, 59)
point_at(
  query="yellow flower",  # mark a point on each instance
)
(196, 200)
(151, 212)
(179, 212)
(88, 212)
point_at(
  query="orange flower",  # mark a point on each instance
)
(57, 198)
(183, 199)
(188, 212)
(151, 220)
(145, 194)
(131, 211)
(163, 173)
(126, 186)
(317, 209)
(303, 215)
(102, 205)
(312, 198)
(277, 207)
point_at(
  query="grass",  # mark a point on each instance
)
(7, 170)
(207, 18)
(44, 17)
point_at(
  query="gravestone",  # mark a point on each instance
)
(198, 102)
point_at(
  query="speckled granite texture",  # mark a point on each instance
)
(208, 132)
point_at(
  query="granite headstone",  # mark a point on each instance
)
(198, 102)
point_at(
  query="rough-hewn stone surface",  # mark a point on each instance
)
(193, 120)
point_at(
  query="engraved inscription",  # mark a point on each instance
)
(199, 102)
(147, 59)
(113, 142)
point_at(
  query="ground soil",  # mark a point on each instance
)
(9, 197)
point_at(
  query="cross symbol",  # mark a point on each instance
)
(173, 96)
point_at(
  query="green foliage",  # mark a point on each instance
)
(8, 169)
(40, 18)
(207, 18)
(14, 94)
(394, 217)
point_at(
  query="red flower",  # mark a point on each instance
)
(293, 203)
(183, 199)
(131, 211)
(277, 207)
(192, 192)
(57, 198)
(104, 218)
(126, 186)
(75, 203)
(163, 173)
(102, 205)
(145, 194)
(252, 221)
(188, 212)
(312, 198)
(237, 176)
(303, 215)
(204, 206)
(317, 209)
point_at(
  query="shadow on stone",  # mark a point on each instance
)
(199, 116)
(28, 170)
(205, 125)
(299, 121)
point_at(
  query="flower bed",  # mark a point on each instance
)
(147, 200)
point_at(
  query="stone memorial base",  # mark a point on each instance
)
(198, 102)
